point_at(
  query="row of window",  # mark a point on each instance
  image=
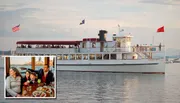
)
(85, 56)
(79, 56)
(76, 56)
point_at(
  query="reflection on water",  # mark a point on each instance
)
(106, 87)
(93, 87)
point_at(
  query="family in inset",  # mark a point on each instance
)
(15, 81)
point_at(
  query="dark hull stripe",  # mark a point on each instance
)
(105, 64)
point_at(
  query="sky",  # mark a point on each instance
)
(59, 20)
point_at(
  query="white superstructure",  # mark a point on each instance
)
(97, 54)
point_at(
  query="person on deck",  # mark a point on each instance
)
(160, 47)
(137, 47)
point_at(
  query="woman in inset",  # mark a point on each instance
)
(13, 83)
(26, 79)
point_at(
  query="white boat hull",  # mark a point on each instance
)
(127, 66)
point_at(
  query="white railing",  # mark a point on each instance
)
(87, 50)
(45, 50)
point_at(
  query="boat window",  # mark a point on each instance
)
(124, 57)
(84, 45)
(114, 38)
(92, 56)
(118, 44)
(93, 44)
(72, 56)
(65, 57)
(78, 56)
(59, 57)
(128, 39)
(53, 55)
(113, 56)
(99, 56)
(106, 45)
(106, 56)
(85, 56)
(118, 39)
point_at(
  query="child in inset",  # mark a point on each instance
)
(33, 78)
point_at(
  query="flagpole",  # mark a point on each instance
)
(163, 40)
(119, 29)
(161, 29)
(164, 48)
(153, 40)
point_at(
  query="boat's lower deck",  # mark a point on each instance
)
(129, 66)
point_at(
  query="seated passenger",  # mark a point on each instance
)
(33, 78)
(13, 83)
(26, 78)
(46, 75)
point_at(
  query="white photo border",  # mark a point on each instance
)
(55, 76)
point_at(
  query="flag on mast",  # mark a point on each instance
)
(161, 29)
(16, 28)
(82, 22)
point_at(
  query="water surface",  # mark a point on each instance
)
(96, 87)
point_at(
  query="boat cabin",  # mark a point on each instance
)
(89, 48)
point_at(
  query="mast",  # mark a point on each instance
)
(119, 29)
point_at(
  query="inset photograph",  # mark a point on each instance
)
(30, 77)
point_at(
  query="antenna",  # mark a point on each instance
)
(119, 29)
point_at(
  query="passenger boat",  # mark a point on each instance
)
(99, 55)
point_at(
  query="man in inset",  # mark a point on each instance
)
(46, 75)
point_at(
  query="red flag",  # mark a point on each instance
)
(161, 29)
(16, 28)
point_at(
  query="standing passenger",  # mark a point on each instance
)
(160, 47)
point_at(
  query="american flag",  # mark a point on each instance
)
(83, 22)
(16, 28)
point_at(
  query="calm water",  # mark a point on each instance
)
(91, 87)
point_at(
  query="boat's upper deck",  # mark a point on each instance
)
(65, 49)
(120, 46)
(69, 47)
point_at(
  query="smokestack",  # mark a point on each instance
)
(102, 39)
